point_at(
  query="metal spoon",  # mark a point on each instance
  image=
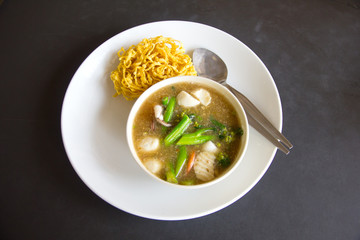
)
(210, 65)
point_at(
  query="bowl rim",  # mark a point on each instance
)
(212, 84)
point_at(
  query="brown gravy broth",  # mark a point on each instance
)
(219, 109)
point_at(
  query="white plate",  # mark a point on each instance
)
(93, 127)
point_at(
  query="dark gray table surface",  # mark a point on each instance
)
(311, 48)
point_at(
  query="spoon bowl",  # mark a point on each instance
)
(210, 65)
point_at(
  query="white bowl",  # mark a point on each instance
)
(211, 84)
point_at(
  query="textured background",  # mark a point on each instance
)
(311, 48)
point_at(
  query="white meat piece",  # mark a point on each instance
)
(204, 166)
(149, 144)
(203, 96)
(209, 146)
(154, 165)
(158, 112)
(186, 100)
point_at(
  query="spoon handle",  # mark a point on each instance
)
(260, 122)
(267, 134)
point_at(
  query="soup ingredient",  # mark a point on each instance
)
(165, 101)
(159, 117)
(210, 147)
(154, 165)
(226, 133)
(170, 173)
(218, 124)
(149, 144)
(158, 112)
(149, 62)
(186, 140)
(181, 160)
(177, 131)
(195, 138)
(191, 161)
(204, 166)
(203, 96)
(169, 109)
(184, 99)
(223, 159)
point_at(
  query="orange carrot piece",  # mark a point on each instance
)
(190, 162)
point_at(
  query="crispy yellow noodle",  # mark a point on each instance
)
(149, 62)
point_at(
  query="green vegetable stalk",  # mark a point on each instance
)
(199, 132)
(181, 160)
(169, 109)
(177, 131)
(170, 173)
(184, 140)
(195, 138)
(165, 101)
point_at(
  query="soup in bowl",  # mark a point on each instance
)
(187, 131)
